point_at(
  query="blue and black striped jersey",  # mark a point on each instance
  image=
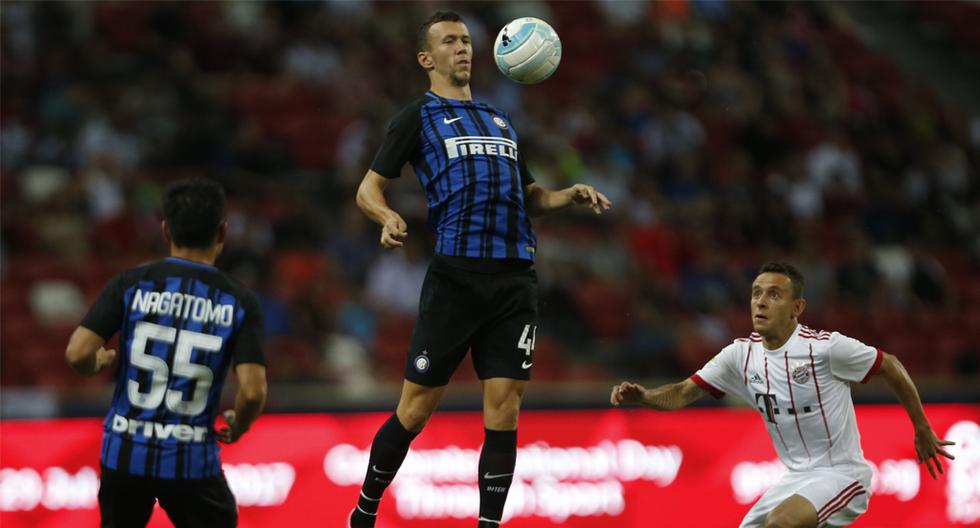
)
(181, 324)
(467, 158)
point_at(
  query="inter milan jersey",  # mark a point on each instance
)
(466, 157)
(182, 324)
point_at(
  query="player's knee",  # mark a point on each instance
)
(501, 417)
(414, 417)
(780, 519)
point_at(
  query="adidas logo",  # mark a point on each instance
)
(756, 378)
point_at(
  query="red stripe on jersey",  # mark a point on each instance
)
(745, 369)
(778, 432)
(874, 368)
(707, 386)
(855, 486)
(830, 441)
(842, 503)
(792, 402)
(807, 332)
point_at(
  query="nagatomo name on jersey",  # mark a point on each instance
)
(183, 306)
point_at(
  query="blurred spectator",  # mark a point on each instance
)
(395, 279)
(725, 133)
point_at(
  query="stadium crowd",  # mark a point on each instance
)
(725, 134)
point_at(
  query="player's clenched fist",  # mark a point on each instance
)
(586, 195)
(393, 232)
(626, 392)
(230, 433)
(103, 357)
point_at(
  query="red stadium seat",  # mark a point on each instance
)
(298, 270)
(391, 345)
(295, 359)
(605, 308)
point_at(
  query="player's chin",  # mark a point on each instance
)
(461, 77)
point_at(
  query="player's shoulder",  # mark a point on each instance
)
(741, 345)
(820, 342)
(810, 334)
(235, 286)
(752, 339)
(818, 339)
(132, 275)
(204, 273)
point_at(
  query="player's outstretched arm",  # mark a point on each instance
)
(664, 398)
(371, 200)
(85, 353)
(928, 446)
(249, 401)
(540, 201)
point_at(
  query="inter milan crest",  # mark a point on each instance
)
(801, 374)
(499, 122)
(421, 363)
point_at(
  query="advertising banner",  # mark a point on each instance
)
(583, 469)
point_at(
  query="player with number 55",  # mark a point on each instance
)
(182, 323)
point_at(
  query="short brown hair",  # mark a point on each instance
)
(795, 277)
(438, 16)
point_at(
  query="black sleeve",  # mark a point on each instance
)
(247, 345)
(105, 316)
(526, 177)
(401, 141)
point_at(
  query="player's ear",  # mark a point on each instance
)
(800, 305)
(166, 233)
(222, 232)
(425, 60)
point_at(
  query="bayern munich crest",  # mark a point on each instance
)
(421, 363)
(499, 121)
(801, 374)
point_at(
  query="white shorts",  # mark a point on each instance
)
(838, 497)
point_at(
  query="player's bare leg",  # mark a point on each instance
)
(416, 405)
(502, 403)
(501, 406)
(794, 512)
(390, 446)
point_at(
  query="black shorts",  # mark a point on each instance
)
(127, 500)
(495, 314)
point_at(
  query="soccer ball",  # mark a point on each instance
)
(527, 50)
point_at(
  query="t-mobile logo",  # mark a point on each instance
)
(768, 406)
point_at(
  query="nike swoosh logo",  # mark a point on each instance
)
(487, 475)
(376, 470)
(446, 120)
(526, 365)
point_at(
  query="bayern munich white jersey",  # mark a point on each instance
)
(802, 392)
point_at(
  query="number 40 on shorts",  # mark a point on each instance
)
(526, 342)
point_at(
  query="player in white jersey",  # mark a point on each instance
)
(799, 379)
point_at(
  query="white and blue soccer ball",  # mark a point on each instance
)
(527, 50)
